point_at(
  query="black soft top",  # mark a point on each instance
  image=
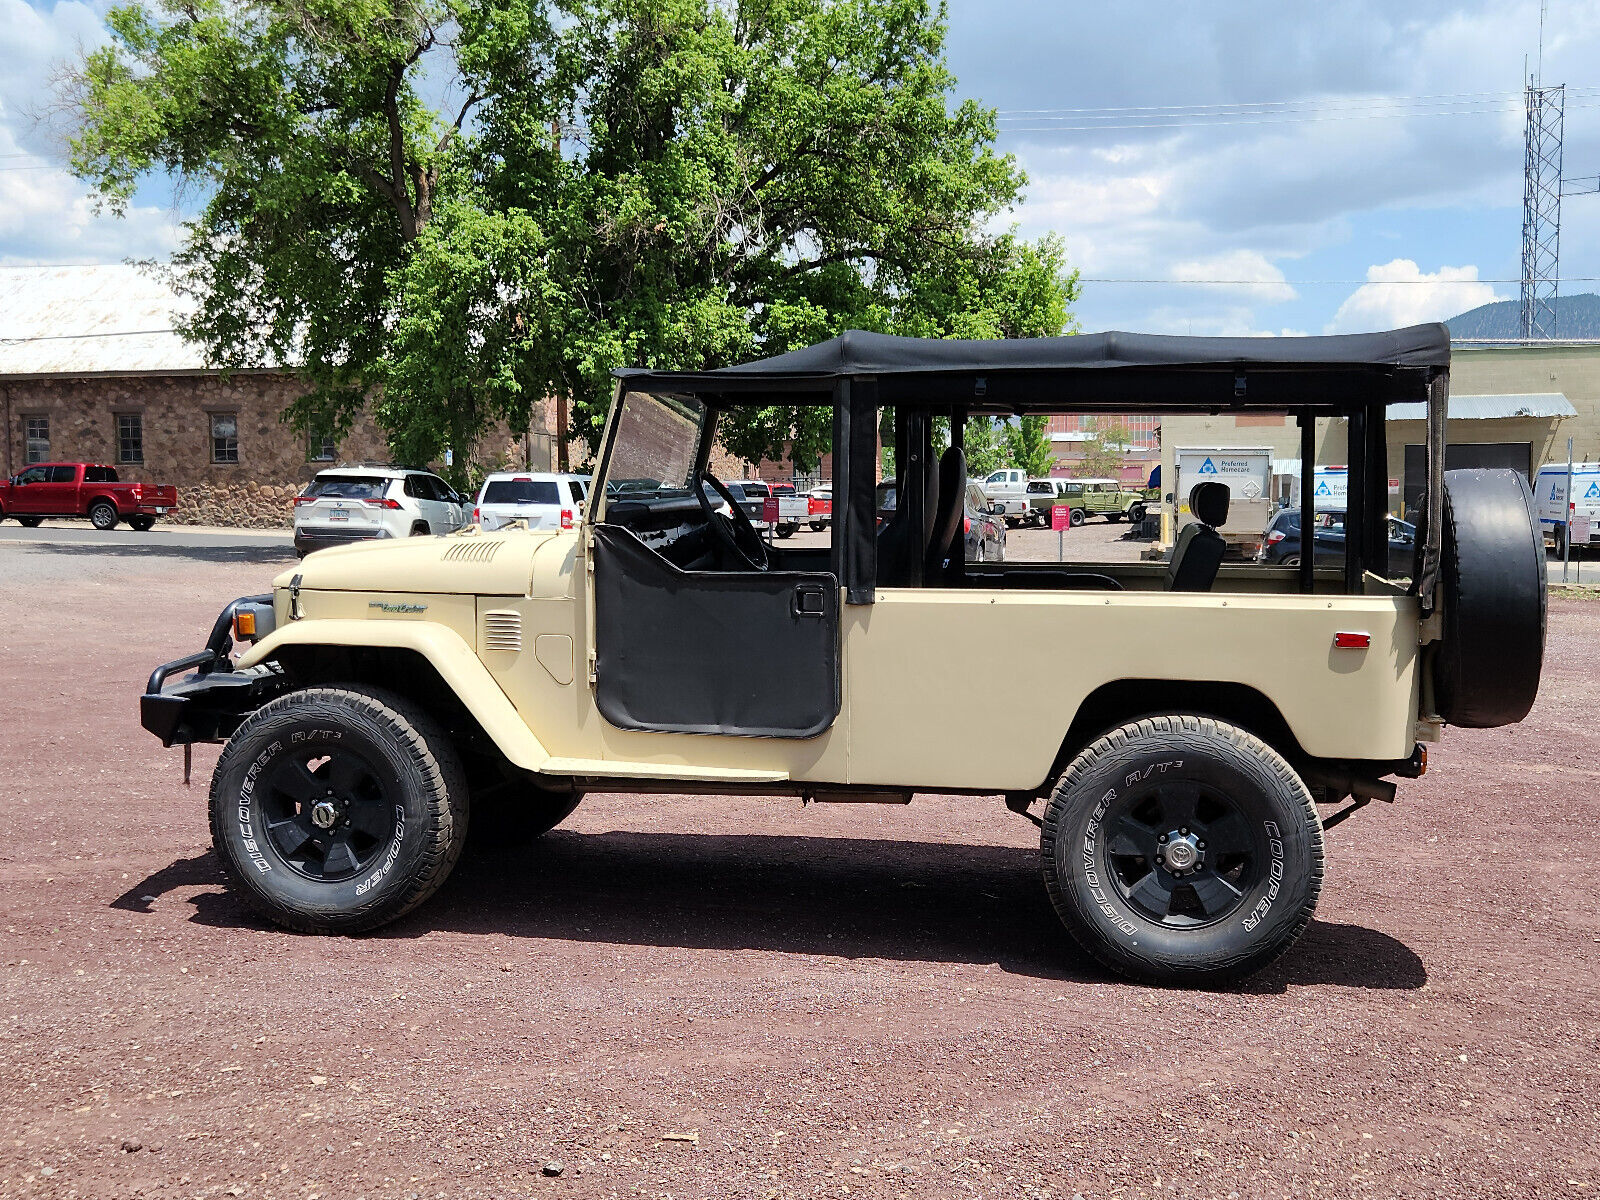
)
(1126, 371)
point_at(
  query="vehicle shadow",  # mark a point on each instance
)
(267, 552)
(844, 897)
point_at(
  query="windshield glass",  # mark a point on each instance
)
(657, 441)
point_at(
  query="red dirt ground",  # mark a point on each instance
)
(828, 1001)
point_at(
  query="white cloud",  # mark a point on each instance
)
(45, 214)
(1399, 293)
(1265, 284)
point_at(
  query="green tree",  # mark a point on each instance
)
(678, 183)
(1104, 454)
(1027, 443)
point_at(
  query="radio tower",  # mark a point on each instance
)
(1541, 209)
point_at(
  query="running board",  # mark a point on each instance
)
(605, 768)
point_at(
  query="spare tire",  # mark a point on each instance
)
(1493, 599)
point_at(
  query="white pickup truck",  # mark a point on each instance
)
(794, 510)
(1008, 487)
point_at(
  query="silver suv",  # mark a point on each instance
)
(358, 504)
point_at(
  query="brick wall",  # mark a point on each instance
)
(175, 419)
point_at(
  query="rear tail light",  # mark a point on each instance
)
(966, 524)
(1276, 536)
(477, 516)
(138, 491)
(383, 502)
(566, 518)
(299, 500)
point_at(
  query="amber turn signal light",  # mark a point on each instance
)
(244, 625)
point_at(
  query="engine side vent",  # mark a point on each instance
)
(502, 630)
(475, 550)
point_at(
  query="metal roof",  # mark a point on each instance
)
(1492, 408)
(109, 319)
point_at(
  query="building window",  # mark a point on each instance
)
(130, 438)
(224, 438)
(36, 434)
(321, 445)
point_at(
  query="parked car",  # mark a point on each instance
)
(357, 504)
(1281, 543)
(794, 510)
(543, 499)
(1108, 498)
(984, 522)
(819, 507)
(83, 490)
(1046, 494)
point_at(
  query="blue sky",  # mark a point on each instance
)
(1237, 185)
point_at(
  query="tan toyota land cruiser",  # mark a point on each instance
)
(1189, 719)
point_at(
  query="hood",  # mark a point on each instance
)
(481, 564)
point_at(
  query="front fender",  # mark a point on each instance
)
(448, 653)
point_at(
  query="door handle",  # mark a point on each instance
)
(808, 600)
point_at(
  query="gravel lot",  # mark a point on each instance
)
(687, 997)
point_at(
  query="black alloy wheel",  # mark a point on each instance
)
(329, 813)
(1180, 853)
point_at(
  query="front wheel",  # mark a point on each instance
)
(338, 809)
(1182, 849)
(103, 515)
(1136, 514)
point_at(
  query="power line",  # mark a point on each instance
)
(1317, 282)
(1134, 109)
(73, 337)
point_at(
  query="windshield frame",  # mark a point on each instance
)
(600, 489)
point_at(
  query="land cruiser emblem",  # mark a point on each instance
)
(397, 608)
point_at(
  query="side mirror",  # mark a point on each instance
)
(996, 509)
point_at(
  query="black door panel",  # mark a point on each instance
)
(747, 653)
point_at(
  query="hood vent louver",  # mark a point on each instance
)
(502, 630)
(474, 551)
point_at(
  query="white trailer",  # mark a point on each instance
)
(1247, 473)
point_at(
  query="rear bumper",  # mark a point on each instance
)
(319, 537)
(209, 704)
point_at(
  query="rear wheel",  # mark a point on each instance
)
(1077, 518)
(103, 515)
(818, 526)
(1561, 541)
(29, 522)
(141, 524)
(336, 810)
(420, 529)
(1136, 513)
(1182, 849)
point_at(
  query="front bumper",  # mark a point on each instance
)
(209, 704)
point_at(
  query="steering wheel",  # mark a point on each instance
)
(736, 533)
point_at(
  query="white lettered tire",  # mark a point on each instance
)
(338, 809)
(1182, 849)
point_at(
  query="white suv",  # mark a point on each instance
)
(356, 504)
(542, 499)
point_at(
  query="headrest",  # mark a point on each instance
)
(1209, 502)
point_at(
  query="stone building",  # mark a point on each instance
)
(91, 370)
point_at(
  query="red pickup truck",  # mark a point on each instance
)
(83, 490)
